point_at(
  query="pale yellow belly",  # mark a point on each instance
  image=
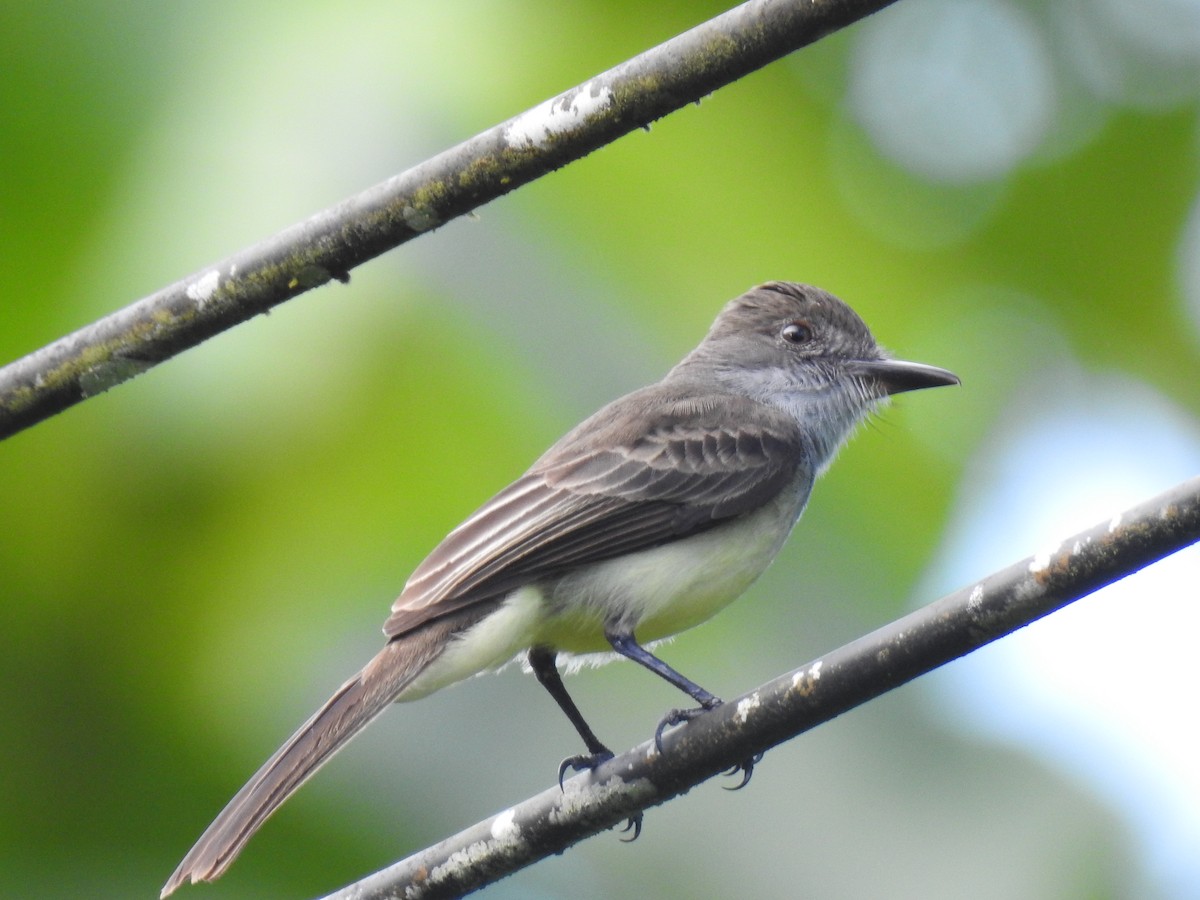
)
(668, 589)
(655, 593)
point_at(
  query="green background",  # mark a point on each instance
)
(191, 563)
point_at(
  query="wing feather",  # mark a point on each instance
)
(636, 475)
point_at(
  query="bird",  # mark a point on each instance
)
(641, 522)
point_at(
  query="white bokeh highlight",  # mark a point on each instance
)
(1144, 55)
(956, 91)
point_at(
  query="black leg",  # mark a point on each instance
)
(625, 644)
(542, 661)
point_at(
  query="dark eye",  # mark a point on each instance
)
(796, 332)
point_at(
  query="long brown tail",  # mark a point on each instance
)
(356, 704)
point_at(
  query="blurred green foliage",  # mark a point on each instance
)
(191, 563)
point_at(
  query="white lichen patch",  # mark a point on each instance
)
(202, 289)
(1041, 561)
(575, 800)
(535, 127)
(461, 859)
(804, 679)
(505, 827)
(506, 839)
(976, 598)
(1115, 523)
(746, 706)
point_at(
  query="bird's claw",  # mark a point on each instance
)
(746, 768)
(584, 762)
(679, 717)
(633, 822)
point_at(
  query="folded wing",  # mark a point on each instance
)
(649, 477)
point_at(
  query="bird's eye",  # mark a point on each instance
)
(796, 332)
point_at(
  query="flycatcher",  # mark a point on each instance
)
(643, 521)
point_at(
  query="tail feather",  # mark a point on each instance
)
(355, 705)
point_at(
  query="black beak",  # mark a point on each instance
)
(896, 376)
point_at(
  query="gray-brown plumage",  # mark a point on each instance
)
(355, 705)
(642, 521)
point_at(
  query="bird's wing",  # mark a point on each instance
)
(656, 472)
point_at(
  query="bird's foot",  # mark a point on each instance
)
(746, 768)
(633, 823)
(679, 717)
(584, 762)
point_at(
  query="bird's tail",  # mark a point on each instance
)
(356, 704)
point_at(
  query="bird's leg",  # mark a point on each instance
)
(543, 661)
(625, 644)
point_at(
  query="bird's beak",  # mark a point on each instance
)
(896, 376)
